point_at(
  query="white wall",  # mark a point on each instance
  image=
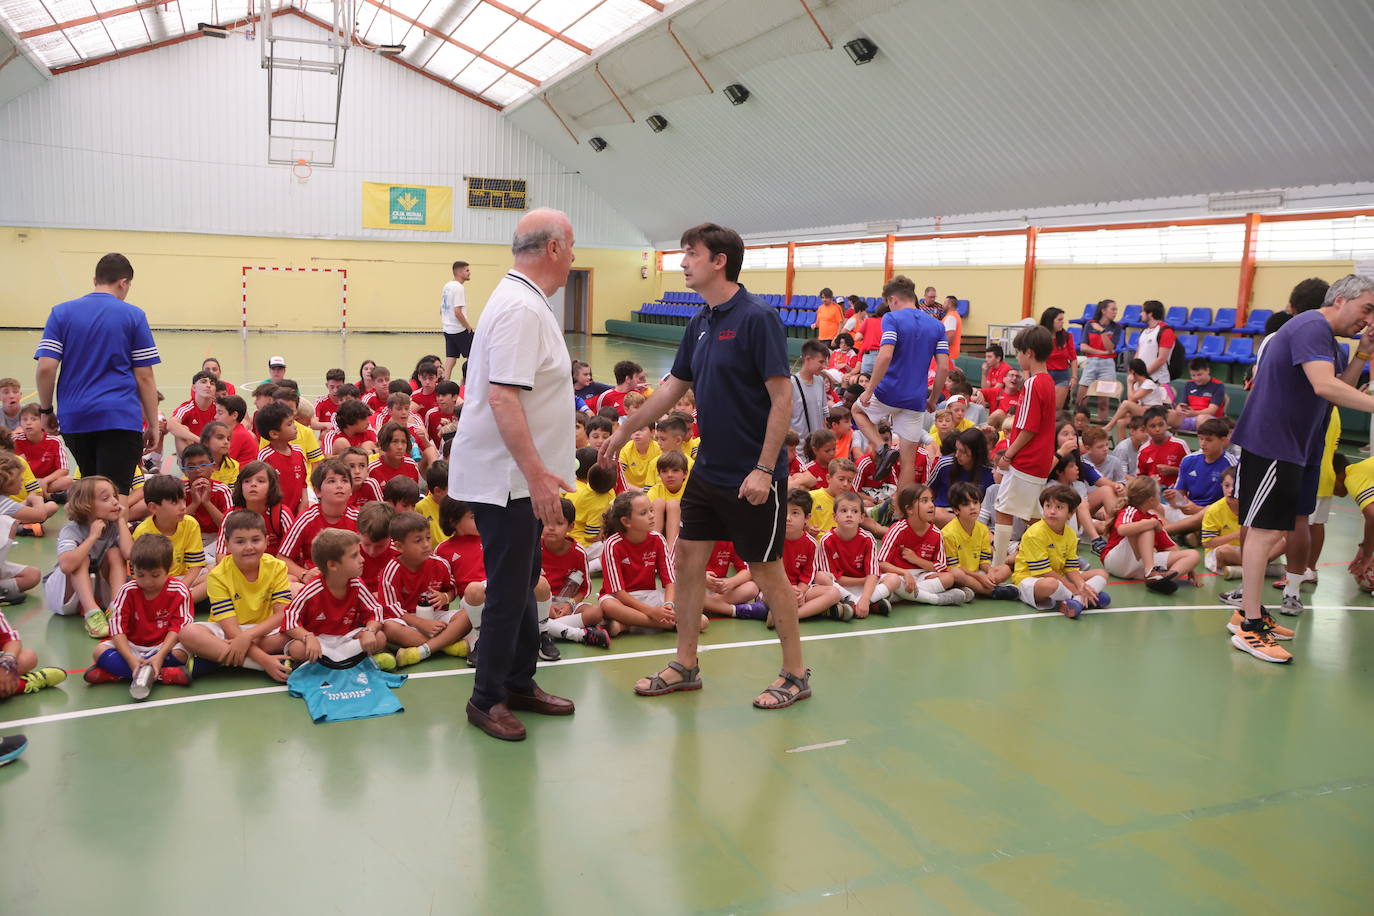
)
(176, 140)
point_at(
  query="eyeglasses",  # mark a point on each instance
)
(196, 467)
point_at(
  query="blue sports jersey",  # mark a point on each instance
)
(915, 338)
(340, 694)
(1201, 480)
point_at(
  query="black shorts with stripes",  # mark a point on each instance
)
(712, 513)
(1270, 492)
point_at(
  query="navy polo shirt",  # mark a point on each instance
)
(727, 353)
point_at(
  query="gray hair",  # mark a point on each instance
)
(536, 240)
(1351, 286)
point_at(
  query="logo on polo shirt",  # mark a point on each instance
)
(727, 334)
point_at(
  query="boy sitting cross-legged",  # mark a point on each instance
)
(334, 616)
(968, 546)
(805, 565)
(276, 423)
(1047, 572)
(166, 500)
(851, 554)
(374, 527)
(45, 454)
(249, 592)
(731, 595)
(146, 618)
(565, 567)
(352, 429)
(334, 484)
(417, 589)
(19, 671)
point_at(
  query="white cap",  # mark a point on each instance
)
(275, 362)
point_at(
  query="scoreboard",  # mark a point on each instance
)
(497, 193)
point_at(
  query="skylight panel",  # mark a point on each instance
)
(517, 43)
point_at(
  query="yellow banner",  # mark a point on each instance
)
(407, 206)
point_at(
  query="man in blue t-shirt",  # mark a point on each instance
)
(1299, 374)
(1203, 397)
(106, 354)
(898, 391)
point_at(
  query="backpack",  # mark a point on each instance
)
(1178, 360)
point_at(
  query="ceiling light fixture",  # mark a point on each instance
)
(390, 50)
(861, 50)
(736, 93)
(597, 144)
(657, 122)
(212, 31)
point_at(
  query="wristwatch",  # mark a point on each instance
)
(45, 411)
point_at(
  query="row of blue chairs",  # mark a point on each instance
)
(688, 297)
(1198, 320)
(1217, 349)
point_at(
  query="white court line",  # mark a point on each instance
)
(816, 747)
(649, 653)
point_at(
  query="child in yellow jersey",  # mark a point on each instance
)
(1357, 481)
(436, 482)
(968, 546)
(166, 500)
(248, 592)
(593, 496)
(672, 435)
(1221, 530)
(841, 473)
(666, 495)
(1047, 572)
(215, 437)
(639, 459)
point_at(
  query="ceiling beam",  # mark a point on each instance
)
(94, 17)
(540, 26)
(453, 41)
(657, 7)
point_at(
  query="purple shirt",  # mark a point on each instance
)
(1284, 418)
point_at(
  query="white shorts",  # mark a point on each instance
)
(652, 597)
(1027, 589)
(1210, 561)
(218, 631)
(1018, 494)
(55, 593)
(1322, 512)
(593, 550)
(1122, 562)
(910, 425)
(140, 651)
(10, 570)
(208, 541)
(341, 648)
(429, 613)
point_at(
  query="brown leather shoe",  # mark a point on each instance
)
(545, 704)
(497, 722)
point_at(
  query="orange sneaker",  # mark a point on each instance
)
(1260, 643)
(1278, 632)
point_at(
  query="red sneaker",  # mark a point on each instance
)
(175, 675)
(98, 675)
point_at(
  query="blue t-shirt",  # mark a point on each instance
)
(915, 338)
(728, 352)
(99, 340)
(1201, 480)
(340, 694)
(1283, 418)
(940, 479)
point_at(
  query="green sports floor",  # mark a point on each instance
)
(974, 759)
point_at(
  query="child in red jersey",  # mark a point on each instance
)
(565, 567)
(146, 617)
(1139, 547)
(193, 415)
(365, 489)
(463, 552)
(350, 428)
(207, 500)
(399, 410)
(1026, 463)
(424, 398)
(402, 494)
(327, 406)
(335, 616)
(442, 418)
(334, 484)
(1007, 399)
(375, 397)
(1161, 456)
(851, 555)
(258, 491)
(730, 595)
(805, 566)
(394, 442)
(819, 450)
(417, 589)
(19, 669)
(275, 423)
(914, 551)
(634, 563)
(374, 527)
(873, 487)
(243, 445)
(46, 457)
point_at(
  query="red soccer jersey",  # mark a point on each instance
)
(146, 621)
(44, 456)
(435, 419)
(1131, 514)
(929, 546)
(464, 556)
(1062, 356)
(611, 398)
(194, 418)
(325, 408)
(413, 423)
(802, 559)
(243, 444)
(723, 556)
(278, 520)
(422, 402)
(317, 610)
(843, 361)
(993, 377)
(865, 480)
(1036, 414)
(375, 402)
(630, 567)
(7, 632)
(369, 492)
(1009, 402)
(292, 474)
(221, 497)
(296, 545)
(382, 472)
(403, 589)
(331, 438)
(821, 474)
(856, 558)
(557, 567)
(373, 564)
(1171, 451)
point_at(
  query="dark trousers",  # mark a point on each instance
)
(508, 648)
(112, 453)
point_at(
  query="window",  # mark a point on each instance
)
(982, 250)
(1316, 240)
(841, 254)
(765, 259)
(1168, 245)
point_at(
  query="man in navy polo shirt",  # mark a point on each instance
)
(106, 354)
(734, 354)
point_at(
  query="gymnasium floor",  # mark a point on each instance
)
(952, 760)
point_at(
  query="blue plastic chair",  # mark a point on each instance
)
(1189, 345)
(1088, 311)
(1225, 322)
(1240, 350)
(1130, 317)
(962, 308)
(1077, 335)
(1176, 317)
(1200, 320)
(1132, 341)
(1214, 348)
(1255, 326)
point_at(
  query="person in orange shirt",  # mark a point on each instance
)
(954, 325)
(838, 422)
(828, 316)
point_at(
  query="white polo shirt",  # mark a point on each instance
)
(453, 299)
(519, 342)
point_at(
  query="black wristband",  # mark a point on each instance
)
(766, 470)
(45, 410)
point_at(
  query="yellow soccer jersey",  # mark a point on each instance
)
(187, 549)
(822, 510)
(309, 443)
(430, 510)
(1218, 521)
(232, 595)
(227, 473)
(659, 491)
(27, 482)
(641, 471)
(967, 550)
(1359, 482)
(1043, 551)
(589, 507)
(958, 428)
(692, 446)
(1326, 484)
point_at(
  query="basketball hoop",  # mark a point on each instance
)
(302, 170)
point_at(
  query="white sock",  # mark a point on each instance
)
(474, 613)
(880, 591)
(543, 608)
(570, 627)
(424, 651)
(1001, 538)
(1291, 588)
(1061, 593)
(1310, 575)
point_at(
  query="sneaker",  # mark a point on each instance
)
(1005, 593)
(1104, 600)
(1231, 598)
(1230, 572)
(458, 649)
(98, 675)
(1260, 643)
(1099, 546)
(842, 610)
(39, 678)
(11, 747)
(969, 594)
(882, 607)
(11, 594)
(751, 610)
(385, 660)
(408, 655)
(596, 637)
(97, 624)
(952, 596)
(1278, 632)
(1071, 608)
(1292, 606)
(175, 675)
(1162, 582)
(31, 530)
(884, 461)
(548, 650)
(472, 655)
(143, 683)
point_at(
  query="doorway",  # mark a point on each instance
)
(577, 301)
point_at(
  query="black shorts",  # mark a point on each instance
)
(456, 345)
(1270, 492)
(712, 513)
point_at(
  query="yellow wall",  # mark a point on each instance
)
(1274, 280)
(185, 280)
